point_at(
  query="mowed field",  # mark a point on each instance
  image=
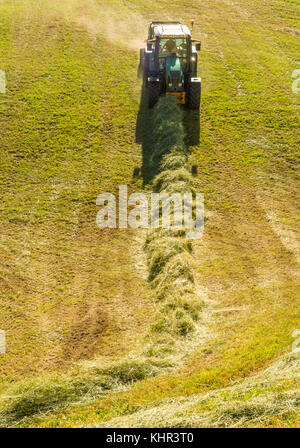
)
(74, 297)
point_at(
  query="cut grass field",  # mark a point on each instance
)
(72, 297)
(60, 147)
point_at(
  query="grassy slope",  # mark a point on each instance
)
(61, 281)
(246, 165)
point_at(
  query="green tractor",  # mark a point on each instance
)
(168, 64)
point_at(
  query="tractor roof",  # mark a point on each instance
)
(161, 29)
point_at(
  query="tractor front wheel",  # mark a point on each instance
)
(194, 95)
(153, 93)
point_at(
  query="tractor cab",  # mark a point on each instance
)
(169, 63)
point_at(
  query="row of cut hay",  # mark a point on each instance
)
(56, 392)
(268, 399)
(169, 253)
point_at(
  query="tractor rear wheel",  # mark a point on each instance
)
(153, 93)
(194, 95)
(145, 79)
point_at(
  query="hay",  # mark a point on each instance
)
(160, 254)
(179, 268)
(58, 392)
(167, 178)
(168, 252)
(168, 132)
(173, 161)
(253, 402)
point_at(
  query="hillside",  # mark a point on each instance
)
(77, 304)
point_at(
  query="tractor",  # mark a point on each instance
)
(168, 64)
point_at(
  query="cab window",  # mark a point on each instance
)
(173, 45)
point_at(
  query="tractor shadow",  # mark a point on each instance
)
(144, 127)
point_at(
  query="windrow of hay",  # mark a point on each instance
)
(50, 394)
(270, 397)
(168, 251)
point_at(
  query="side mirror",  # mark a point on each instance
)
(198, 46)
(149, 46)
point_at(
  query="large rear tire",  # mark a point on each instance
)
(194, 95)
(145, 79)
(153, 93)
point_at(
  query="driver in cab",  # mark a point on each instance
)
(170, 46)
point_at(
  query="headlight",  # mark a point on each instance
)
(193, 59)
